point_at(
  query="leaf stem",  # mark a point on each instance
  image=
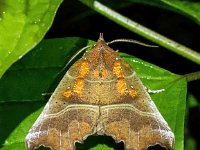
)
(143, 31)
(192, 76)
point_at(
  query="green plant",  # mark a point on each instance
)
(23, 24)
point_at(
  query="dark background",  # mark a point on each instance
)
(81, 21)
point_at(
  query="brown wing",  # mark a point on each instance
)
(138, 130)
(131, 116)
(63, 122)
(61, 130)
(138, 124)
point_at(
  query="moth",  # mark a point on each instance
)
(100, 95)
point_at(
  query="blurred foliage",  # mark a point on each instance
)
(22, 26)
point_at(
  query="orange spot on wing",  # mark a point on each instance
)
(117, 70)
(67, 93)
(96, 73)
(121, 84)
(78, 87)
(83, 70)
(79, 83)
(132, 93)
(105, 73)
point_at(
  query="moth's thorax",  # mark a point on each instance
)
(100, 77)
(104, 64)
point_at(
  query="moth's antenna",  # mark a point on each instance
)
(131, 41)
(74, 56)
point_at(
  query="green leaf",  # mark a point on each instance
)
(186, 7)
(190, 144)
(36, 73)
(192, 101)
(33, 75)
(97, 143)
(102, 147)
(23, 23)
(14, 122)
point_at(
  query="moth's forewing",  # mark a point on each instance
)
(100, 94)
(138, 124)
(132, 117)
(63, 122)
